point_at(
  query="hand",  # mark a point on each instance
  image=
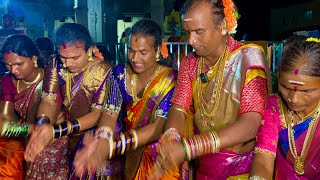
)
(171, 155)
(40, 138)
(93, 153)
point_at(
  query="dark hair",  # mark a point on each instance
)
(298, 53)
(21, 45)
(148, 27)
(216, 8)
(70, 33)
(44, 44)
(8, 16)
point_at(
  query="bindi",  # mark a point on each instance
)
(296, 71)
(187, 19)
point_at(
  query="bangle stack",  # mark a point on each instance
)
(13, 129)
(201, 144)
(66, 128)
(124, 143)
(106, 133)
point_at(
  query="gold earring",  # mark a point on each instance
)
(158, 55)
(224, 28)
(35, 63)
(90, 59)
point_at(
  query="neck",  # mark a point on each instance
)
(212, 58)
(308, 112)
(149, 73)
(32, 76)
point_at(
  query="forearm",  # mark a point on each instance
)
(89, 120)
(50, 109)
(241, 131)
(150, 132)
(176, 118)
(262, 166)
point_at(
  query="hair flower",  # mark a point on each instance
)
(164, 49)
(312, 39)
(231, 16)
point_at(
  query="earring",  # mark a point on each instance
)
(224, 28)
(158, 55)
(90, 59)
(35, 63)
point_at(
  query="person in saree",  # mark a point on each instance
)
(139, 96)
(72, 98)
(225, 84)
(19, 100)
(288, 141)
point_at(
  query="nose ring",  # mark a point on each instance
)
(289, 100)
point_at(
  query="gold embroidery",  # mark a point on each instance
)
(51, 96)
(265, 151)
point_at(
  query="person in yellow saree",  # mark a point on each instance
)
(19, 100)
(288, 140)
(224, 83)
(139, 96)
(72, 98)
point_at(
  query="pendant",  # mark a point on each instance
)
(299, 166)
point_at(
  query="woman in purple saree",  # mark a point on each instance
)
(288, 141)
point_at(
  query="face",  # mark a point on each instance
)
(74, 57)
(301, 92)
(7, 23)
(203, 35)
(142, 54)
(20, 66)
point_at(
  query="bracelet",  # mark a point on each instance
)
(57, 131)
(179, 109)
(172, 134)
(135, 136)
(217, 141)
(186, 148)
(105, 132)
(13, 129)
(42, 119)
(75, 127)
(123, 143)
(256, 178)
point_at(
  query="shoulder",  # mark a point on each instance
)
(251, 55)
(190, 60)
(102, 67)
(7, 78)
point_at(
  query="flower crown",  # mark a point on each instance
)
(231, 16)
(312, 39)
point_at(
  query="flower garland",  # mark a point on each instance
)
(231, 16)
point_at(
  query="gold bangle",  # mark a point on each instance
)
(179, 109)
(60, 133)
(217, 141)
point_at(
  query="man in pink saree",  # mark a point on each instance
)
(288, 139)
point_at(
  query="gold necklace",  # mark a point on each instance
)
(32, 82)
(133, 83)
(299, 160)
(216, 91)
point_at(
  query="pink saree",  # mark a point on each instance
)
(272, 139)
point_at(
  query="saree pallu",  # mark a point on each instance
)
(272, 139)
(23, 106)
(244, 89)
(87, 92)
(154, 103)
